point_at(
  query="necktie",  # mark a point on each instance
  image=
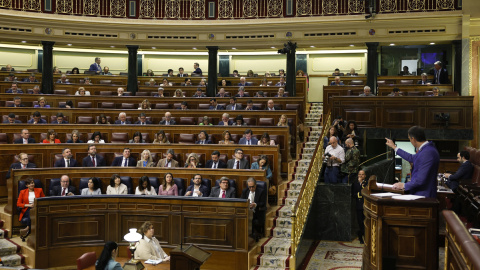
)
(124, 162)
(23, 166)
(238, 165)
(123, 123)
(93, 161)
(248, 142)
(25, 141)
(214, 165)
(223, 194)
(68, 162)
(63, 191)
(166, 164)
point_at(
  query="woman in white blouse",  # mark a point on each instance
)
(116, 187)
(144, 187)
(93, 187)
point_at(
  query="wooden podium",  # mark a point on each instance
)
(189, 258)
(399, 234)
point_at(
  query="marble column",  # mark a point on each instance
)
(224, 65)
(291, 83)
(132, 83)
(212, 70)
(47, 67)
(372, 65)
(457, 70)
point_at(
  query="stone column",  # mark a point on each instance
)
(132, 83)
(372, 65)
(291, 84)
(47, 67)
(212, 70)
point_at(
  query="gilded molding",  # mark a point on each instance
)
(470, 78)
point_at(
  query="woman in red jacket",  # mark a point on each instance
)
(25, 202)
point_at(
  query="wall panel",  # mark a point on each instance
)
(161, 63)
(20, 59)
(327, 63)
(258, 63)
(66, 61)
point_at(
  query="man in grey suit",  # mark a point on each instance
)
(238, 162)
(224, 190)
(168, 162)
(233, 104)
(248, 139)
(168, 120)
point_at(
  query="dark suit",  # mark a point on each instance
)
(57, 190)
(203, 189)
(206, 142)
(20, 141)
(226, 95)
(10, 91)
(198, 71)
(220, 164)
(28, 80)
(254, 108)
(230, 122)
(95, 67)
(253, 141)
(244, 95)
(13, 105)
(182, 75)
(40, 121)
(464, 172)
(243, 164)
(424, 83)
(425, 169)
(56, 122)
(258, 220)
(99, 160)
(61, 163)
(18, 165)
(441, 77)
(202, 95)
(229, 193)
(237, 107)
(15, 122)
(333, 83)
(147, 122)
(132, 162)
(218, 107)
(118, 122)
(163, 122)
(275, 108)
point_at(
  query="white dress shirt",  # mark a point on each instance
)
(338, 152)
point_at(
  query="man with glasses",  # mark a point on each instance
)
(197, 189)
(65, 188)
(258, 200)
(224, 191)
(23, 164)
(142, 120)
(25, 138)
(238, 162)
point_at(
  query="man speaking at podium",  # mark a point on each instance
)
(425, 164)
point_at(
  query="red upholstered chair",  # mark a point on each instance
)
(186, 138)
(293, 107)
(84, 104)
(107, 105)
(406, 81)
(85, 120)
(106, 93)
(235, 137)
(3, 138)
(356, 82)
(128, 106)
(119, 137)
(8, 103)
(141, 94)
(265, 122)
(187, 121)
(177, 105)
(86, 260)
(414, 93)
(60, 92)
(250, 121)
(260, 106)
(161, 106)
(105, 82)
(451, 94)
(146, 137)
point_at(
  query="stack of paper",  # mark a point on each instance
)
(154, 262)
(386, 194)
(408, 197)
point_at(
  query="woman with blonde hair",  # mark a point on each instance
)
(42, 103)
(282, 121)
(193, 161)
(145, 105)
(148, 248)
(146, 159)
(178, 93)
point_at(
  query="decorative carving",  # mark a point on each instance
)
(225, 9)
(356, 6)
(274, 8)
(32, 5)
(445, 4)
(330, 7)
(373, 243)
(172, 9)
(304, 7)
(416, 5)
(118, 8)
(6, 3)
(388, 5)
(147, 9)
(250, 8)
(197, 9)
(64, 6)
(91, 7)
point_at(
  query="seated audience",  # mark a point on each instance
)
(221, 93)
(395, 92)
(51, 137)
(197, 189)
(165, 82)
(160, 138)
(242, 82)
(271, 106)
(405, 71)
(60, 119)
(106, 71)
(170, 72)
(14, 89)
(22, 164)
(225, 120)
(63, 79)
(337, 81)
(56, 70)
(8, 68)
(337, 72)
(122, 119)
(351, 131)
(116, 186)
(215, 162)
(148, 248)
(281, 82)
(152, 82)
(424, 80)
(106, 261)
(65, 189)
(184, 106)
(42, 103)
(168, 161)
(142, 120)
(144, 187)
(168, 187)
(233, 104)
(168, 120)
(250, 73)
(12, 119)
(180, 73)
(25, 202)
(30, 79)
(262, 164)
(264, 82)
(463, 173)
(82, 92)
(137, 138)
(121, 92)
(248, 139)
(125, 160)
(366, 92)
(436, 92)
(250, 106)
(267, 74)
(199, 93)
(87, 81)
(25, 138)
(160, 92)
(203, 138)
(203, 83)
(93, 187)
(265, 140)
(37, 118)
(241, 92)
(239, 121)
(235, 73)
(66, 161)
(145, 105)
(205, 121)
(283, 121)
(238, 162)
(187, 82)
(36, 90)
(75, 137)
(75, 70)
(332, 132)
(146, 159)
(178, 93)
(193, 162)
(96, 138)
(149, 73)
(352, 72)
(103, 120)
(257, 198)
(260, 94)
(11, 77)
(92, 159)
(281, 92)
(224, 190)
(227, 138)
(281, 72)
(214, 105)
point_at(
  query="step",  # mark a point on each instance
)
(277, 246)
(284, 212)
(307, 156)
(303, 163)
(308, 150)
(268, 268)
(290, 201)
(12, 260)
(7, 247)
(283, 233)
(273, 260)
(283, 222)
(292, 193)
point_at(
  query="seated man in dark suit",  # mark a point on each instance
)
(187, 82)
(337, 72)
(25, 138)
(63, 79)
(168, 120)
(199, 93)
(203, 138)
(36, 90)
(224, 190)
(214, 105)
(17, 102)
(337, 81)
(37, 119)
(464, 172)
(106, 71)
(248, 139)
(125, 160)
(238, 162)
(8, 68)
(122, 119)
(243, 82)
(197, 189)
(67, 160)
(142, 120)
(180, 73)
(241, 92)
(60, 119)
(258, 199)
(65, 189)
(260, 94)
(250, 106)
(12, 119)
(271, 106)
(11, 77)
(352, 72)
(281, 81)
(281, 92)
(23, 164)
(424, 80)
(30, 79)
(215, 162)
(233, 104)
(225, 121)
(183, 106)
(221, 93)
(14, 89)
(93, 160)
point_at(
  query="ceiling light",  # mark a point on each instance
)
(432, 43)
(392, 44)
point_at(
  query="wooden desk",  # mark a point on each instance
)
(123, 260)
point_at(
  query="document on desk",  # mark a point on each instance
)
(386, 194)
(382, 185)
(408, 197)
(154, 262)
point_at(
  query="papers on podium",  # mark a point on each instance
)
(154, 262)
(386, 194)
(382, 185)
(408, 197)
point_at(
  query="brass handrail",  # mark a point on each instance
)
(301, 208)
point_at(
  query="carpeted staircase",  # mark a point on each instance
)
(275, 250)
(10, 251)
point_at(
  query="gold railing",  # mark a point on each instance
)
(301, 209)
